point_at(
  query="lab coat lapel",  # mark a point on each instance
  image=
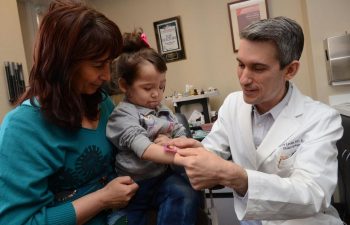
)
(285, 125)
(245, 125)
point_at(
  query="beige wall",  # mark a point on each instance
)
(11, 48)
(326, 19)
(210, 60)
(207, 38)
(205, 25)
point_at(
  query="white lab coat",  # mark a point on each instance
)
(293, 191)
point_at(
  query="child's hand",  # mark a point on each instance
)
(170, 148)
(162, 139)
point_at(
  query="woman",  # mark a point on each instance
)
(55, 159)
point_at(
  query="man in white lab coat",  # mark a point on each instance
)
(282, 143)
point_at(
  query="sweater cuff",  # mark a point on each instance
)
(62, 214)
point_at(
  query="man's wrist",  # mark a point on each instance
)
(235, 177)
(242, 187)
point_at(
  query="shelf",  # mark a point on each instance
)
(193, 97)
(343, 108)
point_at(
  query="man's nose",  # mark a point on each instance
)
(245, 76)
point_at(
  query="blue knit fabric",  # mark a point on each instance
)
(44, 167)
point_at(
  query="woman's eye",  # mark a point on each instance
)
(98, 66)
(102, 64)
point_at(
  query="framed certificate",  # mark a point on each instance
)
(169, 39)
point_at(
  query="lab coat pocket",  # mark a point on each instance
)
(285, 166)
(286, 156)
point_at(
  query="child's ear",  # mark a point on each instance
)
(122, 85)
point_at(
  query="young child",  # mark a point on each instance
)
(139, 127)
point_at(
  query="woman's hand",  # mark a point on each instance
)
(118, 192)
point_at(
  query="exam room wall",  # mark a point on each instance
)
(207, 38)
(210, 60)
(11, 48)
(326, 19)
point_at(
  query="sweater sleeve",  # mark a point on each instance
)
(125, 131)
(25, 165)
(179, 129)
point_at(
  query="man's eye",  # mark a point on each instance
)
(259, 69)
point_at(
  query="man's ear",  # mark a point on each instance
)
(122, 85)
(291, 69)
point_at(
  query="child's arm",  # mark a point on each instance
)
(159, 153)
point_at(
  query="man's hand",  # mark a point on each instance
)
(183, 142)
(205, 170)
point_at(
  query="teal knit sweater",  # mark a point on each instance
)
(44, 167)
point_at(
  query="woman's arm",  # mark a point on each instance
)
(116, 194)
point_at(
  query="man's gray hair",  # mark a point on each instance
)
(285, 33)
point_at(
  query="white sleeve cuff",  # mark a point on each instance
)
(240, 204)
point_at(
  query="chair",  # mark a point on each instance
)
(343, 146)
(181, 118)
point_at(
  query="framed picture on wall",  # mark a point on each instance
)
(242, 13)
(169, 39)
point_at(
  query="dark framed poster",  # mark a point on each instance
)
(242, 13)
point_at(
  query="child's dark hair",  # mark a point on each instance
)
(135, 52)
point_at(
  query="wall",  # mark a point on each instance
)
(207, 38)
(11, 48)
(30, 13)
(326, 19)
(210, 60)
(295, 9)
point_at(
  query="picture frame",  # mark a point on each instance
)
(169, 39)
(242, 13)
